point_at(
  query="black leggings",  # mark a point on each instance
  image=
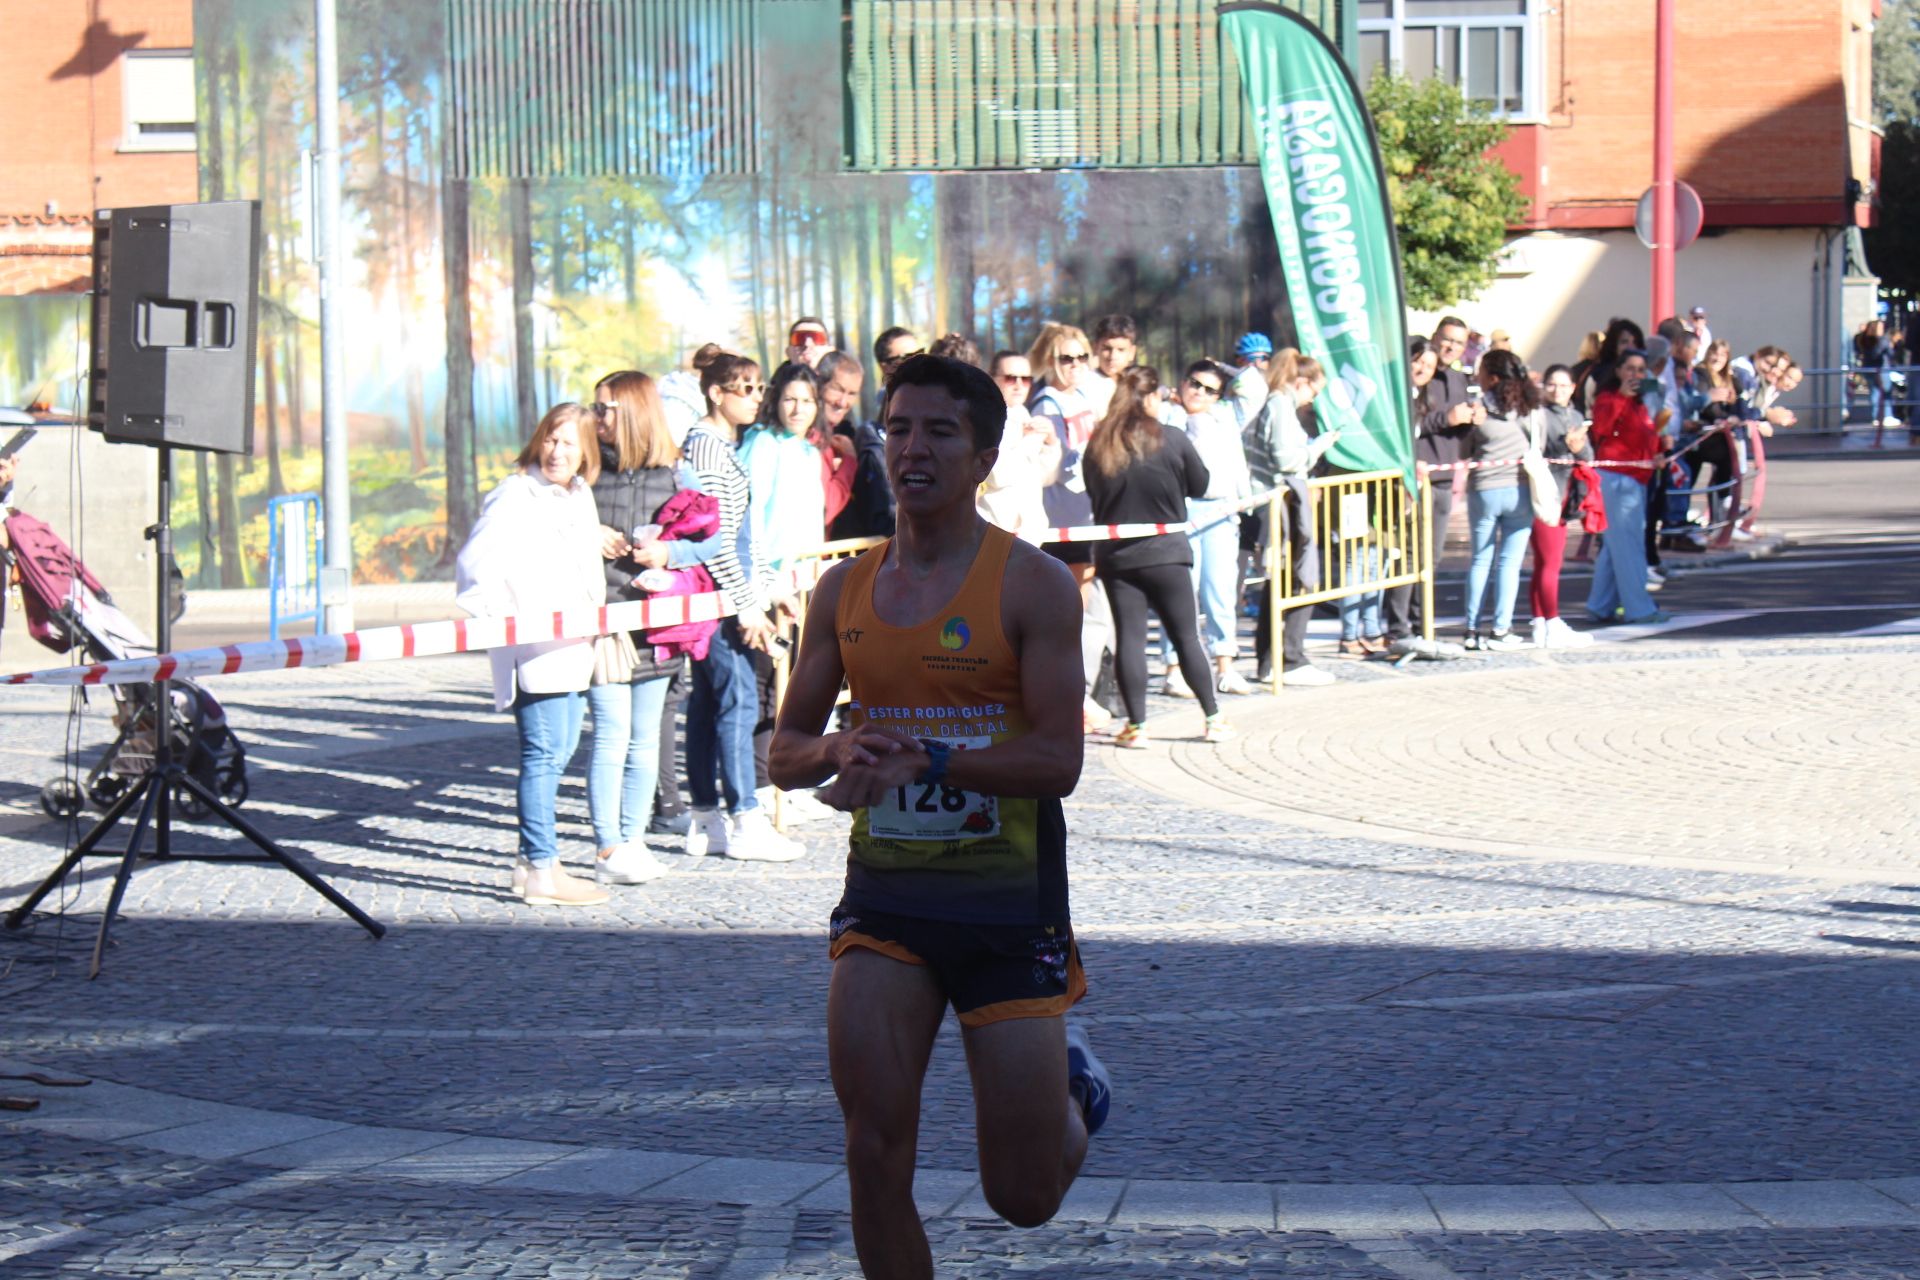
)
(1167, 589)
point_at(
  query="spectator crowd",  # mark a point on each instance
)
(719, 478)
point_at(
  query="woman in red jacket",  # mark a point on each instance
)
(1626, 449)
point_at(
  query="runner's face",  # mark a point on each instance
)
(1559, 388)
(931, 462)
(797, 407)
(842, 393)
(1115, 354)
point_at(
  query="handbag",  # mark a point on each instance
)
(1544, 489)
(614, 658)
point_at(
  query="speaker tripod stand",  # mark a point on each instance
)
(165, 780)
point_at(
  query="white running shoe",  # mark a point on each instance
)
(629, 863)
(1307, 677)
(1543, 632)
(1233, 682)
(708, 834)
(1176, 684)
(1742, 535)
(751, 838)
(1500, 641)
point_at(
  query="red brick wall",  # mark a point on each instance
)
(1760, 107)
(60, 122)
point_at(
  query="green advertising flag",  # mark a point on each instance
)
(1328, 194)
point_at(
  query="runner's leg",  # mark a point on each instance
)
(882, 1017)
(1032, 1137)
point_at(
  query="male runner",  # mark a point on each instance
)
(961, 647)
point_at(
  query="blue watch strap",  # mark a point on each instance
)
(936, 770)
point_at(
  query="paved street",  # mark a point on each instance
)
(1571, 964)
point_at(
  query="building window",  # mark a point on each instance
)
(1484, 46)
(156, 86)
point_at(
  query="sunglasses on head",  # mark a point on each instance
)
(1079, 357)
(1208, 387)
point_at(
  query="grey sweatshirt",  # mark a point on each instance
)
(1501, 439)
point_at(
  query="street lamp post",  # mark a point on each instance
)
(1664, 231)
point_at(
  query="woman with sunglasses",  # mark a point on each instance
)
(1062, 357)
(1012, 496)
(724, 706)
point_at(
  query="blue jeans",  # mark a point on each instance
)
(549, 725)
(625, 762)
(721, 713)
(1620, 571)
(1216, 571)
(1880, 399)
(1360, 612)
(1502, 522)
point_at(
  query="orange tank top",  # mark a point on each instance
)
(940, 851)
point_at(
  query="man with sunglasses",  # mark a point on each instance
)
(1444, 417)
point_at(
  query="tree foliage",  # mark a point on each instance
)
(1452, 200)
(1893, 244)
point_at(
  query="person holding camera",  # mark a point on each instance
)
(1444, 414)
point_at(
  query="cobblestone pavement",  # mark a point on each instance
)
(1445, 981)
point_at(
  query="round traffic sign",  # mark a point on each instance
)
(1688, 216)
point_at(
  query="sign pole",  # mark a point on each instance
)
(1663, 193)
(335, 489)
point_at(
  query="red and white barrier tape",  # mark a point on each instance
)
(469, 635)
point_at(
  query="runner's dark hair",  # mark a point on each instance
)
(986, 408)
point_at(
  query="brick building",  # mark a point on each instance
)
(1772, 109)
(99, 112)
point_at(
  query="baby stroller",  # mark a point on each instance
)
(67, 608)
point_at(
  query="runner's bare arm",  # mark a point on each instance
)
(1040, 610)
(802, 755)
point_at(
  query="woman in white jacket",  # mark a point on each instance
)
(536, 550)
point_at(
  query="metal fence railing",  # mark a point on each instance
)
(1827, 398)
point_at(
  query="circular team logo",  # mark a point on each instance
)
(955, 635)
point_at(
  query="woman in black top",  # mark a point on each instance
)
(1138, 473)
(638, 473)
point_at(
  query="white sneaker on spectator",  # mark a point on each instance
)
(708, 834)
(1742, 535)
(629, 863)
(1307, 676)
(1655, 579)
(751, 838)
(1093, 716)
(796, 806)
(1543, 632)
(1502, 641)
(1232, 681)
(1176, 684)
(1564, 636)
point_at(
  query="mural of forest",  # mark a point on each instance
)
(474, 302)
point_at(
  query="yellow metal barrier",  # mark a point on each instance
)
(1366, 532)
(827, 552)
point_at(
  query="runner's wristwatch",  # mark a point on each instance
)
(937, 753)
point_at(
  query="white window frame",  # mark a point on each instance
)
(134, 114)
(1532, 71)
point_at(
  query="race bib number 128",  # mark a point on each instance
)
(923, 811)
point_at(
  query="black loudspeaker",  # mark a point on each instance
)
(173, 324)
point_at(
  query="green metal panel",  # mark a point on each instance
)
(991, 84)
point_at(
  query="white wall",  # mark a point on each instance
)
(100, 498)
(1758, 285)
